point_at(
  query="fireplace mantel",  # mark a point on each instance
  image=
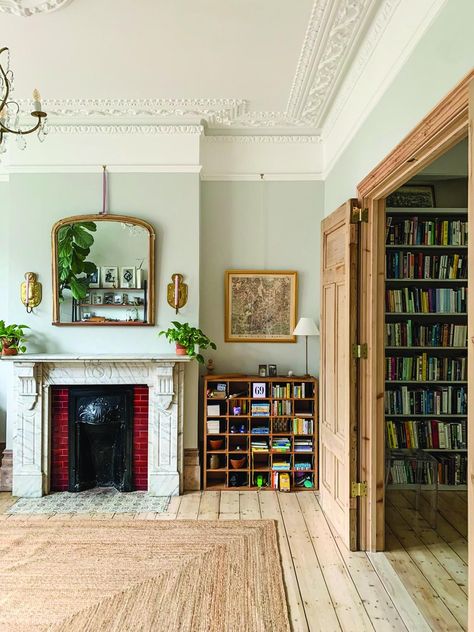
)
(35, 374)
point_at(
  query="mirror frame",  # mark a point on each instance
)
(151, 271)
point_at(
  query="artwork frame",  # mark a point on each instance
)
(412, 196)
(94, 279)
(128, 277)
(109, 276)
(272, 295)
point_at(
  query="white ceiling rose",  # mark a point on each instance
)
(27, 8)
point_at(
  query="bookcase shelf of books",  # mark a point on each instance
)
(260, 432)
(426, 344)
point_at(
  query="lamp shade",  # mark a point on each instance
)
(306, 327)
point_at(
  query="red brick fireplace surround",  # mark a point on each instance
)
(60, 439)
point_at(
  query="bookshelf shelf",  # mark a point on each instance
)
(408, 434)
(288, 420)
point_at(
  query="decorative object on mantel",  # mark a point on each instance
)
(306, 327)
(260, 305)
(12, 338)
(31, 292)
(10, 110)
(177, 292)
(187, 338)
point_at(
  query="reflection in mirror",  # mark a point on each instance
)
(103, 271)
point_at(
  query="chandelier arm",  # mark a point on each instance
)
(4, 129)
(7, 83)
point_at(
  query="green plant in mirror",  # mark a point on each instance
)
(13, 336)
(188, 337)
(74, 246)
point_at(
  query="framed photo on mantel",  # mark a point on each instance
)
(260, 305)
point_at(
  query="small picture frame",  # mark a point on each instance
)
(125, 299)
(94, 278)
(262, 370)
(127, 277)
(87, 299)
(118, 299)
(259, 390)
(108, 298)
(96, 299)
(272, 370)
(86, 315)
(109, 276)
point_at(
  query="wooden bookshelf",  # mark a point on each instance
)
(426, 368)
(289, 419)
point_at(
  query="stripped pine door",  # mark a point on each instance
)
(338, 447)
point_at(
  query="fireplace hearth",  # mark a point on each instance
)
(100, 437)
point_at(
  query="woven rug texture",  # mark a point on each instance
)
(141, 576)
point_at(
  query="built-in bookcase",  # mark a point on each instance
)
(257, 429)
(426, 343)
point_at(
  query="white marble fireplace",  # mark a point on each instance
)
(35, 374)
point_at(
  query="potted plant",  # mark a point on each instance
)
(187, 338)
(12, 337)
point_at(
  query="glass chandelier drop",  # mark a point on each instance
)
(10, 110)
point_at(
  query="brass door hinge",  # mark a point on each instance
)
(360, 351)
(358, 489)
(359, 214)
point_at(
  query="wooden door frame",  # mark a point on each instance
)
(440, 130)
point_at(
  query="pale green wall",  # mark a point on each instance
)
(440, 60)
(4, 267)
(170, 202)
(260, 225)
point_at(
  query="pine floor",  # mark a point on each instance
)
(418, 584)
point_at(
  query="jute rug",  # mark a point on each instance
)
(130, 576)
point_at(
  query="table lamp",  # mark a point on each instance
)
(306, 327)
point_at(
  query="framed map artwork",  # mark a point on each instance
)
(260, 306)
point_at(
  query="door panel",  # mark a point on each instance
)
(338, 448)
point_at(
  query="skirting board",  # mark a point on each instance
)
(191, 482)
(6, 471)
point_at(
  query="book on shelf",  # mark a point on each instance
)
(303, 465)
(452, 469)
(439, 400)
(427, 301)
(260, 409)
(213, 410)
(260, 430)
(213, 426)
(421, 266)
(281, 465)
(302, 426)
(281, 407)
(425, 232)
(413, 334)
(425, 367)
(299, 391)
(259, 445)
(303, 445)
(281, 444)
(410, 471)
(426, 434)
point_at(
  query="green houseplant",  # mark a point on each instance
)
(12, 338)
(187, 338)
(74, 245)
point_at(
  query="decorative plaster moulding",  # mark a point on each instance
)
(27, 8)
(195, 130)
(263, 138)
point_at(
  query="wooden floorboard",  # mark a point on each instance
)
(418, 585)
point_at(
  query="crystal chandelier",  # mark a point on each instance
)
(10, 110)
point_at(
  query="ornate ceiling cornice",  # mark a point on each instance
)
(27, 8)
(196, 130)
(263, 138)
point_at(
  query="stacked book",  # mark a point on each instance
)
(303, 445)
(281, 464)
(427, 434)
(423, 368)
(259, 445)
(411, 334)
(413, 231)
(302, 426)
(303, 465)
(260, 430)
(409, 265)
(213, 426)
(281, 444)
(430, 301)
(260, 409)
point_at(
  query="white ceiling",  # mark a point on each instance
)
(255, 70)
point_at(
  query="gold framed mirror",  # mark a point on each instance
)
(103, 271)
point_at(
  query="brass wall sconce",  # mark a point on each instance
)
(31, 292)
(177, 292)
